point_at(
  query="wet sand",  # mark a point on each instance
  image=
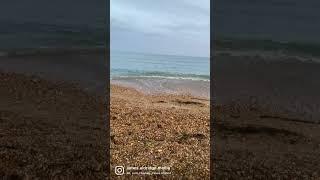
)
(153, 85)
(160, 130)
(85, 67)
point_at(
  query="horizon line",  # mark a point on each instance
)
(154, 53)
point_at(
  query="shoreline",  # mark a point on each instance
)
(83, 67)
(156, 130)
(281, 87)
(165, 86)
(266, 118)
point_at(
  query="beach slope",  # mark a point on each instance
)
(50, 130)
(160, 130)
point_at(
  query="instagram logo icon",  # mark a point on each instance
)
(119, 170)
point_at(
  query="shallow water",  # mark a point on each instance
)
(154, 73)
(153, 85)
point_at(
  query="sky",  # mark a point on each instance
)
(280, 20)
(179, 27)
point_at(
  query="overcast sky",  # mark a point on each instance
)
(179, 27)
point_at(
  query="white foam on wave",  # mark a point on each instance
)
(162, 77)
(270, 55)
(167, 86)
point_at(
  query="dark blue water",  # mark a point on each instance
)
(276, 25)
(267, 52)
(52, 24)
(124, 64)
(39, 35)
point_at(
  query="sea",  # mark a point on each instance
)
(59, 40)
(59, 51)
(52, 24)
(158, 73)
(277, 27)
(40, 35)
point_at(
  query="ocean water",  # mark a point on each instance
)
(124, 64)
(281, 26)
(36, 35)
(269, 49)
(266, 56)
(56, 40)
(52, 24)
(161, 73)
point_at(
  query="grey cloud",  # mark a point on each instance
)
(181, 20)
